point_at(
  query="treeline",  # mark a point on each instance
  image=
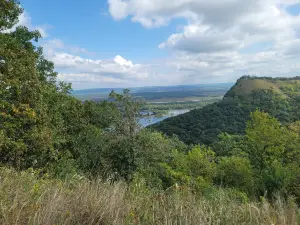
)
(249, 77)
(46, 130)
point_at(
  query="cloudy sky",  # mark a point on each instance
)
(126, 43)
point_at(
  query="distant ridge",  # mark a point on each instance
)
(147, 88)
(145, 92)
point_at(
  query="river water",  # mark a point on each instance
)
(147, 121)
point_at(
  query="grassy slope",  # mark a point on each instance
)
(246, 87)
(24, 199)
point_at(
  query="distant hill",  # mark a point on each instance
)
(277, 96)
(158, 92)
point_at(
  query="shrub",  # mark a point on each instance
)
(236, 172)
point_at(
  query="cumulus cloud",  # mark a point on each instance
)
(213, 25)
(228, 66)
(75, 67)
(210, 12)
(82, 78)
(197, 38)
(117, 67)
(220, 27)
(222, 39)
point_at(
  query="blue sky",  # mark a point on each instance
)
(89, 25)
(124, 43)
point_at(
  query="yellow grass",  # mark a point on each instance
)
(24, 199)
(246, 87)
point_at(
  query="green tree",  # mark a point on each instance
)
(236, 172)
(229, 145)
(10, 10)
(196, 169)
(274, 154)
(21, 120)
(266, 139)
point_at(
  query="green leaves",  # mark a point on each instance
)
(196, 169)
(236, 172)
(266, 139)
(273, 151)
(10, 10)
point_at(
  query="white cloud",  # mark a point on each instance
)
(217, 30)
(198, 38)
(118, 9)
(228, 66)
(210, 12)
(118, 67)
(222, 40)
(80, 78)
(289, 2)
(123, 62)
(226, 23)
(85, 72)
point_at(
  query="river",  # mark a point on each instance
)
(147, 121)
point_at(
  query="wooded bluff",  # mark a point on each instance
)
(279, 97)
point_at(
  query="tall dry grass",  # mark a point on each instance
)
(24, 199)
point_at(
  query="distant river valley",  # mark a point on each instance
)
(149, 120)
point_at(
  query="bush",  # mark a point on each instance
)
(236, 172)
(196, 168)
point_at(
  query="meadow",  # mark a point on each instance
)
(27, 198)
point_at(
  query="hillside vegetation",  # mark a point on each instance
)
(279, 97)
(64, 161)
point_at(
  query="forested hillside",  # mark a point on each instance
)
(64, 161)
(279, 97)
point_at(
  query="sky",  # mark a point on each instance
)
(129, 43)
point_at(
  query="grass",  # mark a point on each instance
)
(246, 87)
(25, 199)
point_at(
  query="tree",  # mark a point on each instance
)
(10, 10)
(21, 120)
(196, 169)
(274, 154)
(266, 139)
(236, 172)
